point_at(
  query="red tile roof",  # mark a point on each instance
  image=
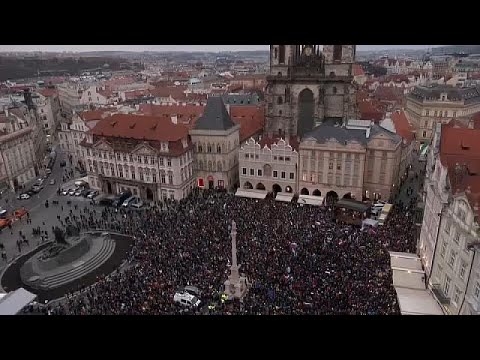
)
(186, 114)
(165, 91)
(48, 92)
(403, 126)
(149, 128)
(93, 115)
(369, 110)
(358, 70)
(250, 118)
(460, 153)
(386, 93)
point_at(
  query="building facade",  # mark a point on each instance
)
(270, 166)
(216, 140)
(307, 85)
(427, 106)
(450, 230)
(150, 156)
(359, 159)
(48, 110)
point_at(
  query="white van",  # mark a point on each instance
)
(186, 299)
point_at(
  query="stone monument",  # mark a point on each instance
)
(235, 285)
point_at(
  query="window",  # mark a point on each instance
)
(169, 162)
(275, 173)
(145, 159)
(259, 172)
(152, 161)
(339, 166)
(209, 148)
(337, 52)
(162, 178)
(451, 260)
(161, 161)
(139, 159)
(219, 149)
(200, 148)
(334, 90)
(281, 56)
(252, 172)
(454, 114)
(427, 113)
(456, 238)
(170, 178)
(447, 225)
(287, 158)
(443, 249)
(247, 156)
(124, 157)
(463, 269)
(424, 134)
(456, 296)
(292, 176)
(446, 286)
(476, 292)
(330, 165)
(283, 174)
(244, 171)
(133, 174)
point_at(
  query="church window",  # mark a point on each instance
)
(337, 52)
(281, 59)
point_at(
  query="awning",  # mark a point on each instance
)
(409, 283)
(251, 194)
(352, 205)
(370, 222)
(285, 197)
(310, 200)
(15, 301)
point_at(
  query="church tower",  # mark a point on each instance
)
(307, 85)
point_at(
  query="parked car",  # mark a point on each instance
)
(52, 182)
(65, 192)
(48, 171)
(84, 192)
(92, 194)
(5, 222)
(24, 196)
(30, 192)
(37, 188)
(193, 290)
(121, 198)
(71, 192)
(106, 202)
(137, 203)
(78, 192)
(127, 202)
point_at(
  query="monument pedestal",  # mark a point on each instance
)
(235, 288)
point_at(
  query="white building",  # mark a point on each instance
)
(150, 156)
(17, 157)
(48, 110)
(450, 228)
(268, 165)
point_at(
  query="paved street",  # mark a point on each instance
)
(413, 183)
(41, 216)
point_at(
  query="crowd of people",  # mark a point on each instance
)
(296, 258)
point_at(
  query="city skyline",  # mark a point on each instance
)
(187, 48)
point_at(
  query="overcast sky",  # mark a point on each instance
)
(80, 48)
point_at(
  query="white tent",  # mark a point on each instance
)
(310, 200)
(285, 197)
(15, 301)
(251, 194)
(409, 283)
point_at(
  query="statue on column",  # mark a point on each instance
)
(235, 285)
